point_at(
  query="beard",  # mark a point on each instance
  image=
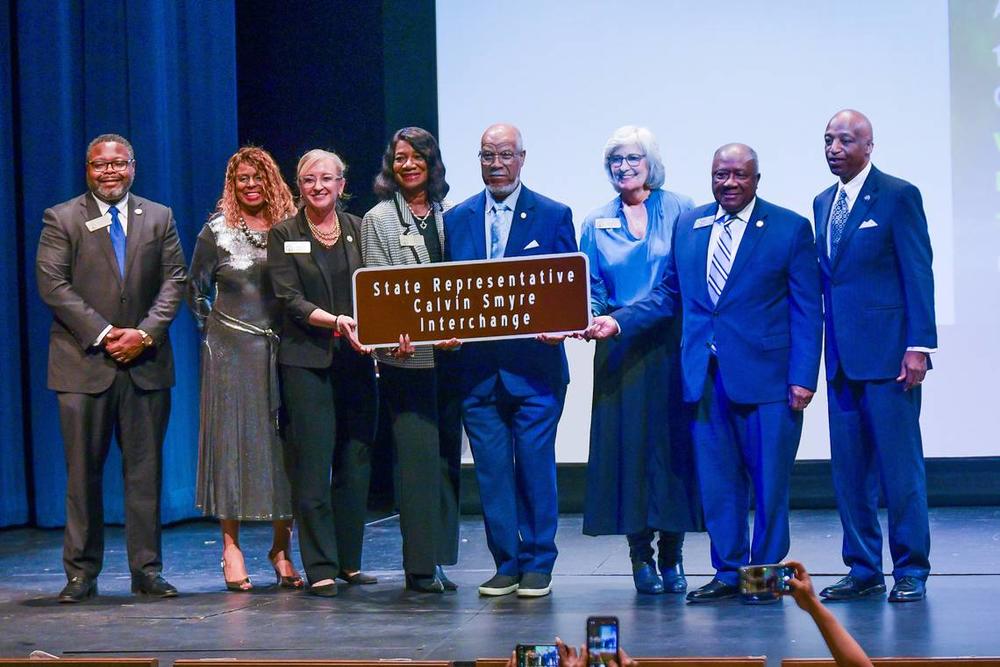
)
(501, 192)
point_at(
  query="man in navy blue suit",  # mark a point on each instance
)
(875, 255)
(745, 274)
(513, 390)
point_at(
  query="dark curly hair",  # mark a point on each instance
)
(423, 142)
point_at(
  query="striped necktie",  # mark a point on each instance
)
(722, 260)
(498, 230)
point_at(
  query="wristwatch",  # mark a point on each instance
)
(147, 340)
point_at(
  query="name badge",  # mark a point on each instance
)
(298, 247)
(98, 223)
(706, 221)
(411, 240)
(608, 223)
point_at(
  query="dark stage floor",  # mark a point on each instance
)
(961, 615)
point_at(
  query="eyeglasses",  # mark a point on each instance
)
(310, 181)
(245, 179)
(506, 157)
(633, 160)
(113, 165)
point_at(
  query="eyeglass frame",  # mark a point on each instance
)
(632, 159)
(105, 165)
(494, 155)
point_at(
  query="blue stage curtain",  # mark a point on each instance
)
(163, 74)
(13, 494)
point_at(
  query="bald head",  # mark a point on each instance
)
(735, 175)
(849, 143)
(501, 156)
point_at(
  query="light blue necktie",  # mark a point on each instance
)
(118, 239)
(722, 260)
(838, 221)
(498, 230)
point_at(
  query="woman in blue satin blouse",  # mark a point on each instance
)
(640, 473)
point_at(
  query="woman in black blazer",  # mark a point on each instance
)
(327, 387)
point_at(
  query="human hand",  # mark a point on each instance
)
(913, 369)
(550, 339)
(405, 349)
(799, 397)
(450, 344)
(569, 656)
(123, 345)
(603, 326)
(801, 586)
(348, 328)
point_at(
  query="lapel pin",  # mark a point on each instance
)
(138, 211)
(523, 215)
(760, 223)
(867, 197)
(350, 239)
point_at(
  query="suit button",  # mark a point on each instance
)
(715, 313)
(122, 299)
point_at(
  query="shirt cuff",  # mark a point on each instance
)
(97, 343)
(925, 350)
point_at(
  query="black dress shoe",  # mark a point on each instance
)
(853, 588)
(712, 591)
(152, 585)
(78, 589)
(358, 578)
(674, 580)
(448, 584)
(423, 584)
(908, 589)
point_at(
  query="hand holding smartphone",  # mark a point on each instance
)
(537, 655)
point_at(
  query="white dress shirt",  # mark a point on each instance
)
(104, 207)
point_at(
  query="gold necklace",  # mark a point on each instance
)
(327, 239)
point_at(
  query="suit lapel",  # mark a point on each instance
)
(701, 237)
(822, 222)
(88, 211)
(138, 230)
(859, 212)
(475, 219)
(520, 226)
(751, 237)
(352, 247)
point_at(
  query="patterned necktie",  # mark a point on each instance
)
(722, 260)
(838, 220)
(118, 239)
(498, 240)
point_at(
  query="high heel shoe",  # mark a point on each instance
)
(293, 581)
(243, 585)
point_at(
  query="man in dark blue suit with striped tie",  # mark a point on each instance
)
(746, 276)
(875, 255)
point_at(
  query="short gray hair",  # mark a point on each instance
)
(110, 138)
(634, 134)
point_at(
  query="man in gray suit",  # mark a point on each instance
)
(111, 269)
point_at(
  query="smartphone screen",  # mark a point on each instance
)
(602, 639)
(537, 655)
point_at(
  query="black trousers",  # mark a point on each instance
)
(138, 419)
(330, 466)
(427, 498)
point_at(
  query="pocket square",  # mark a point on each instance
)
(531, 246)
(867, 224)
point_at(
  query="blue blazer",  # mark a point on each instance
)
(879, 289)
(525, 367)
(768, 324)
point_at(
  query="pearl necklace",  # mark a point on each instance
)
(256, 239)
(327, 239)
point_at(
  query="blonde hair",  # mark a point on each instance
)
(312, 157)
(278, 201)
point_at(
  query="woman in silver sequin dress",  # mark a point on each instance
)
(241, 469)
